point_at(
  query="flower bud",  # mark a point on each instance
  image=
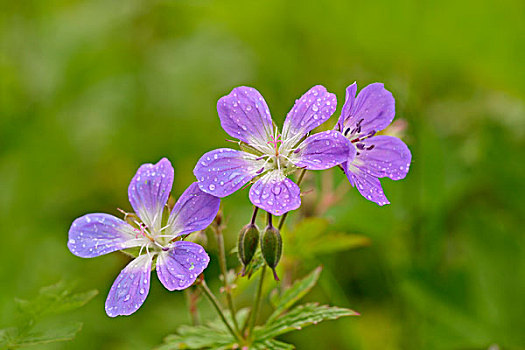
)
(247, 244)
(271, 248)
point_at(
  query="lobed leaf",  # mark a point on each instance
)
(198, 337)
(299, 317)
(293, 294)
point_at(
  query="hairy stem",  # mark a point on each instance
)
(224, 271)
(217, 306)
(192, 307)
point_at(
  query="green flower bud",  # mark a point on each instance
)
(247, 245)
(271, 248)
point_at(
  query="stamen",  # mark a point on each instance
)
(346, 131)
(297, 150)
(260, 170)
(360, 146)
(371, 147)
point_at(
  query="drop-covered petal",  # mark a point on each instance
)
(367, 184)
(371, 111)
(149, 191)
(223, 171)
(194, 211)
(244, 115)
(98, 234)
(311, 110)
(131, 287)
(323, 151)
(181, 265)
(384, 156)
(275, 193)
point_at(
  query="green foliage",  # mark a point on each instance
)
(290, 296)
(52, 300)
(300, 317)
(311, 237)
(215, 335)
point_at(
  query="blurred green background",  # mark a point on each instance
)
(92, 89)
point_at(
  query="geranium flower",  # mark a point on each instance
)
(271, 155)
(376, 156)
(178, 262)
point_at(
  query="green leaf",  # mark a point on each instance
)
(335, 242)
(299, 317)
(198, 337)
(215, 335)
(12, 338)
(293, 294)
(54, 299)
(55, 334)
(272, 344)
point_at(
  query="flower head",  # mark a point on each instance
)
(372, 156)
(271, 155)
(178, 262)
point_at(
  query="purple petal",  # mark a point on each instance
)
(245, 115)
(194, 211)
(372, 110)
(311, 110)
(323, 151)
(223, 171)
(367, 184)
(149, 191)
(275, 193)
(131, 287)
(181, 265)
(98, 234)
(349, 103)
(384, 156)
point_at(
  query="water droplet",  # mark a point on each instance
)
(211, 187)
(315, 108)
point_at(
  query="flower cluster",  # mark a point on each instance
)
(266, 159)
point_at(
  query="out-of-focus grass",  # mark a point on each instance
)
(90, 90)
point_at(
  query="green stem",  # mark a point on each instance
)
(254, 215)
(256, 302)
(224, 271)
(215, 303)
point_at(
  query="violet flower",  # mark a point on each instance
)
(178, 262)
(271, 155)
(376, 156)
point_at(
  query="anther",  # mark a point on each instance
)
(371, 147)
(260, 170)
(346, 131)
(360, 146)
(297, 150)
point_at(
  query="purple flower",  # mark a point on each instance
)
(271, 155)
(375, 156)
(178, 263)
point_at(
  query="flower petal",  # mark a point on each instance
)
(244, 115)
(323, 151)
(98, 234)
(223, 171)
(131, 287)
(372, 110)
(275, 193)
(311, 110)
(194, 211)
(367, 184)
(149, 191)
(385, 156)
(181, 265)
